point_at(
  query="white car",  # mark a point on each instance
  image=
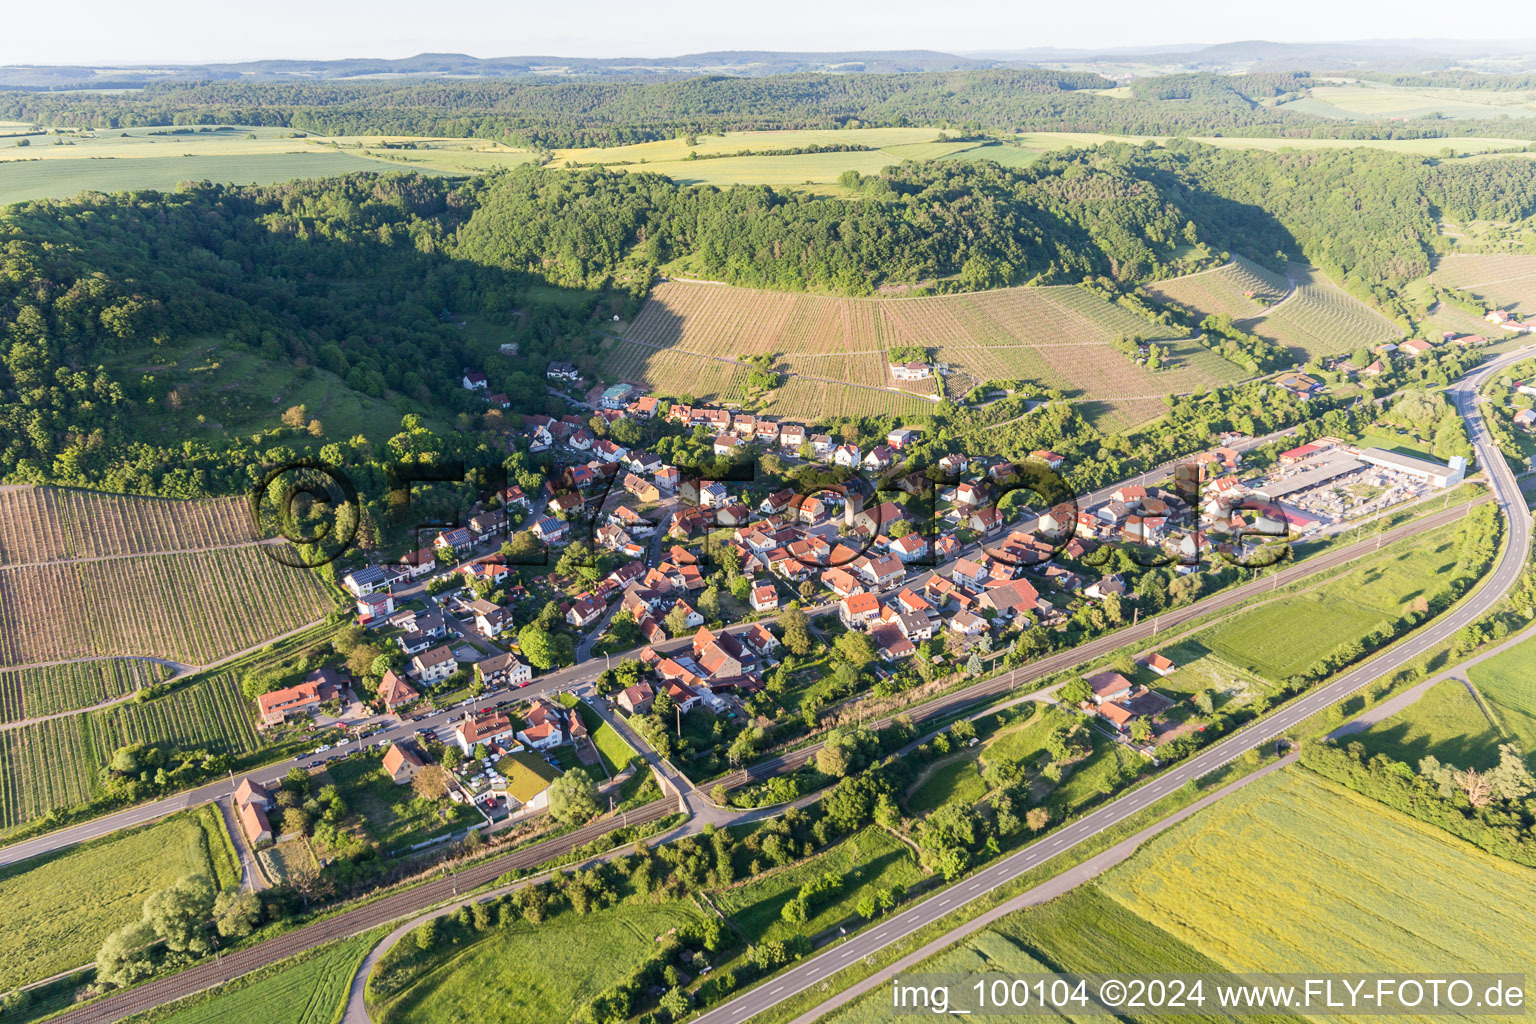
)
(321, 750)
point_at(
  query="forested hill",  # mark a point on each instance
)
(554, 113)
(350, 275)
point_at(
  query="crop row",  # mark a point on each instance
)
(1321, 319)
(1505, 278)
(51, 689)
(39, 524)
(191, 608)
(1232, 289)
(57, 763)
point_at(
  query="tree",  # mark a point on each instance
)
(538, 646)
(1205, 701)
(855, 648)
(1141, 729)
(124, 956)
(180, 913)
(235, 913)
(676, 621)
(709, 604)
(295, 822)
(1037, 818)
(973, 664)
(573, 798)
(797, 632)
(1511, 780)
(1077, 691)
(430, 783)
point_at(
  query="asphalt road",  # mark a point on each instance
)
(811, 972)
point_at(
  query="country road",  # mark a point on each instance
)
(812, 971)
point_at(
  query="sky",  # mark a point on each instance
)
(194, 31)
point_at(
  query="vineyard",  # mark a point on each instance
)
(52, 689)
(193, 608)
(1059, 337)
(1240, 289)
(1504, 279)
(41, 524)
(56, 763)
(1321, 319)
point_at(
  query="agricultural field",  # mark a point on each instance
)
(1219, 892)
(59, 907)
(1508, 682)
(308, 989)
(534, 972)
(52, 689)
(1224, 882)
(872, 859)
(1319, 318)
(1507, 280)
(836, 350)
(1372, 100)
(45, 524)
(1281, 638)
(56, 763)
(1446, 723)
(1241, 289)
(190, 608)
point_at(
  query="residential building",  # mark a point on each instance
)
(503, 670)
(494, 727)
(401, 762)
(435, 665)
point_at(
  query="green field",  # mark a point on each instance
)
(1287, 636)
(1239, 289)
(535, 973)
(306, 990)
(1225, 883)
(1508, 682)
(59, 908)
(1289, 874)
(870, 860)
(1445, 723)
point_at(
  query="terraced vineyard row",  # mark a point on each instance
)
(1240, 289)
(191, 608)
(808, 400)
(1322, 319)
(1504, 279)
(39, 524)
(56, 764)
(675, 374)
(49, 690)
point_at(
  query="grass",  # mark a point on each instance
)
(956, 779)
(1507, 280)
(1508, 682)
(535, 973)
(866, 861)
(1445, 723)
(58, 908)
(1287, 636)
(309, 989)
(615, 753)
(392, 814)
(1225, 883)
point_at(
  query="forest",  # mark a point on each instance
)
(544, 113)
(356, 275)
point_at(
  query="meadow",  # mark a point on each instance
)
(1280, 639)
(1319, 318)
(688, 335)
(56, 763)
(1502, 279)
(1445, 723)
(309, 989)
(34, 692)
(610, 746)
(534, 972)
(871, 859)
(1373, 100)
(1508, 682)
(391, 814)
(59, 907)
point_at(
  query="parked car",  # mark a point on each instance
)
(322, 748)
